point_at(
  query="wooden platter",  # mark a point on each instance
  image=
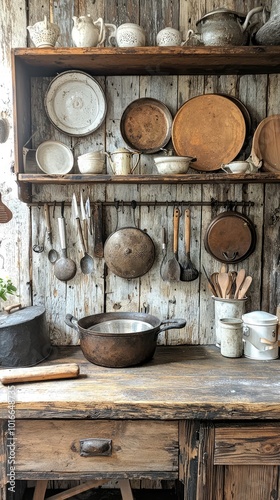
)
(211, 128)
(266, 144)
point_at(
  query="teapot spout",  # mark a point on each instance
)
(76, 21)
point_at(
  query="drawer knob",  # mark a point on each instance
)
(95, 447)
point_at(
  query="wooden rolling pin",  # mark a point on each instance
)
(33, 374)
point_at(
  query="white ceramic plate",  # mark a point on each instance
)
(54, 157)
(75, 103)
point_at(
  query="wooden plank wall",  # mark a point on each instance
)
(102, 291)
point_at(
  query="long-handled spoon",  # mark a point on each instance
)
(244, 287)
(238, 282)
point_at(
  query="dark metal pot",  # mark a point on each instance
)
(24, 340)
(117, 340)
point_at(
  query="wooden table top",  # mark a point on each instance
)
(181, 382)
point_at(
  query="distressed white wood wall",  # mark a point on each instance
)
(98, 292)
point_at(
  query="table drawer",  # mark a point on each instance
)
(90, 445)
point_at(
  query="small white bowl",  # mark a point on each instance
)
(94, 166)
(236, 167)
(169, 165)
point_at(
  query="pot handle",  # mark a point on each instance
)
(71, 321)
(170, 324)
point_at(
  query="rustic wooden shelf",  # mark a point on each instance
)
(193, 178)
(151, 60)
(105, 61)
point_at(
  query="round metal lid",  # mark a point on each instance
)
(20, 316)
(259, 318)
(129, 252)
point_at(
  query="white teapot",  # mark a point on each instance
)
(85, 32)
(121, 161)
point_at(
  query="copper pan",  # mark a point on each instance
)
(146, 125)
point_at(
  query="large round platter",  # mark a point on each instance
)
(146, 125)
(54, 158)
(266, 144)
(75, 103)
(211, 128)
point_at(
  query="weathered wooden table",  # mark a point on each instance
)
(190, 414)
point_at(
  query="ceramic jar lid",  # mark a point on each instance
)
(260, 318)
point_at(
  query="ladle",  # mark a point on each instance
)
(52, 255)
(86, 261)
(64, 268)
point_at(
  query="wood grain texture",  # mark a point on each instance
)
(168, 387)
(102, 291)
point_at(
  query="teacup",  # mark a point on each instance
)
(170, 37)
(236, 167)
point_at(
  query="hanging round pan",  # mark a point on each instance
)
(230, 237)
(146, 125)
(266, 144)
(210, 128)
(129, 252)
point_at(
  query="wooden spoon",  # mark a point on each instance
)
(223, 280)
(244, 288)
(238, 282)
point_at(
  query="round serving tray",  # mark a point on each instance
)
(75, 103)
(210, 128)
(146, 125)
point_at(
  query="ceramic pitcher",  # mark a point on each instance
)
(88, 33)
(121, 161)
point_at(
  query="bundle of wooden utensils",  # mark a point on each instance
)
(229, 284)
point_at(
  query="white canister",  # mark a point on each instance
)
(231, 337)
(260, 335)
(227, 308)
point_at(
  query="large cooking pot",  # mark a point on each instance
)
(117, 340)
(24, 339)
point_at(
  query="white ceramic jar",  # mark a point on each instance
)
(260, 335)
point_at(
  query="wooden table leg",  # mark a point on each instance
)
(40, 489)
(126, 490)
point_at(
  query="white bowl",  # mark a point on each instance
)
(236, 167)
(93, 154)
(94, 166)
(169, 165)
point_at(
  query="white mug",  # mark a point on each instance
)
(237, 167)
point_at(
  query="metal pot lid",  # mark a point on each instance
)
(222, 10)
(129, 252)
(230, 237)
(259, 318)
(21, 316)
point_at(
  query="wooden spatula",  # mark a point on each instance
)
(5, 213)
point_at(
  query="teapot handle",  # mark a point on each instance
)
(112, 28)
(249, 15)
(110, 161)
(102, 32)
(137, 160)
